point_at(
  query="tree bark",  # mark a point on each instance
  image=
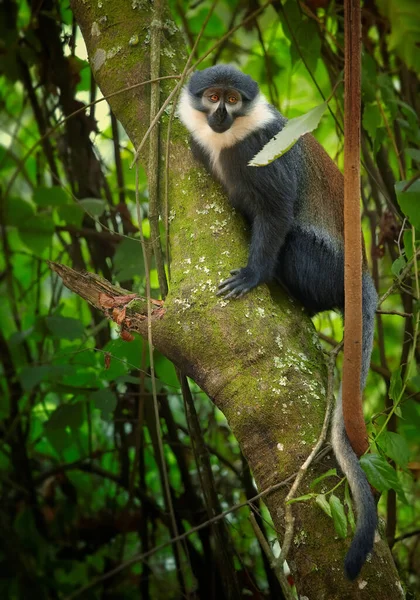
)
(258, 358)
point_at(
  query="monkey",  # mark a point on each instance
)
(294, 207)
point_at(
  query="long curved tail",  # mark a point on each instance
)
(366, 522)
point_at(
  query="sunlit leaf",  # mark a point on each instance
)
(323, 503)
(288, 136)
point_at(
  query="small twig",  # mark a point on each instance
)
(393, 312)
(277, 568)
(404, 536)
(391, 137)
(153, 170)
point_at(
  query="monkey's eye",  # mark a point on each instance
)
(232, 99)
(214, 98)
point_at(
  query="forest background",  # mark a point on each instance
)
(88, 507)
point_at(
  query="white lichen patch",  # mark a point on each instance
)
(98, 59)
(362, 584)
(300, 538)
(280, 447)
(217, 226)
(170, 26)
(94, 30)
(140, 4)
(113, 52)
(260, 311)
(169, 52)
(278, 362)
(400, 588)
(217, 208)
(279, 342)
(172, 215)
(183, 304)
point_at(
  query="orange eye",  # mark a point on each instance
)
(214, 98)
(232, 100)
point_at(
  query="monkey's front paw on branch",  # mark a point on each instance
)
(240, 283)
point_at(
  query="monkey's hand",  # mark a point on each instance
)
(240, 283)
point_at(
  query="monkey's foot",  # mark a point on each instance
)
(240, 283)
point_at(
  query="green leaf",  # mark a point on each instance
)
(59, 439)
(106, 401)
(398, 265)
(395, 388)
(409, 201)
(36, 233)
(288, 136)
(6, 160)
(128, 259)
(323, 504)
(65, 327)
(67, 415)
(348, 503)
(71, 214)
(165, 370)
(124, 358)
(339, 516)
(50, 196)
(394, 446)
(379, 473)
(408, 243)
(414, 153)
(31, 376)
(93, 206)
(18, 211)
(329, 473)
(371, 119)
(303, 498)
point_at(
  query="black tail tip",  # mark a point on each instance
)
(352, 567)
(355, 559)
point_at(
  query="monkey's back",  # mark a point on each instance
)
(321, 190)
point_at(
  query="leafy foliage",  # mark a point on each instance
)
(82, 481)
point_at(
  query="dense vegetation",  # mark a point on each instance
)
(82, 485)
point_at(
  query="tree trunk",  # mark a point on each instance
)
(258, 358)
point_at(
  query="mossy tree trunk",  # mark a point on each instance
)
(258, 358)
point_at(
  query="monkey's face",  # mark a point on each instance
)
(222, 105)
